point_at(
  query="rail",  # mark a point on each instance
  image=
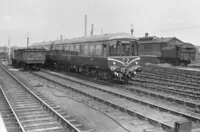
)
(13, 111)
(119, 94)
(2, 125)
(62, 119)
(114, 105)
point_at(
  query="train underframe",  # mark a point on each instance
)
(175, 61)
(27, 66)
(102, 73)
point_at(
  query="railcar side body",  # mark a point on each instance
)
(111, 56)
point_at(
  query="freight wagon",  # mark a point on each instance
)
(29, 58)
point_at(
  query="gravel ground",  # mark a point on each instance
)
(152, 100)
(144, 110)
(86, 115)
(130, 123)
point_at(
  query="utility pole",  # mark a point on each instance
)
(101, 31)
(4, 48)
(85, 25)
(91, 34)
(8, 48)
(27, 40)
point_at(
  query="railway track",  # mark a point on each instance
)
(172, 72)
(33, 112)
(172, 77)
(131, 100)
(188, 92)
(168, 79)
(8, 114)
(188, 100)
(162, 84)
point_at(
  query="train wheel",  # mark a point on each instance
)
(126, 79)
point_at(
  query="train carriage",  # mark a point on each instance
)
(29, 58)
(113, 56)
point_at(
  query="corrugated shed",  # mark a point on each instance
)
(42, 43)
(2, 49)
(159, 40)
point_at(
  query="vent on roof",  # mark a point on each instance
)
(146, 35)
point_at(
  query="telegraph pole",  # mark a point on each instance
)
(85, 25)
(101, 31)
(4, 48)
(27, 40)
(91, 34)
(9, 48)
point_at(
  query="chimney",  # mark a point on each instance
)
(85, 25)
(61, 37)
(146, 35)
(92, 30)
(132, 30)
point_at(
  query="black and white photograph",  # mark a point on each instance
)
(99, 66)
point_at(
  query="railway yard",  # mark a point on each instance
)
(53, 100)
(135, 69)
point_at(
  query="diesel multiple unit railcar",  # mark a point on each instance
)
(29, 58)
(109, 56)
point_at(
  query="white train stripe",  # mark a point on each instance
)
(112, 59)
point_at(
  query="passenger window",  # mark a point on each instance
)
(85, 50)
(77, 50)
(98, 49)
(114, 49)
(92, 49)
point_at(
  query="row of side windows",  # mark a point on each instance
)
(83, 49)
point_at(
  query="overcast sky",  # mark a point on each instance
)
(47, 19)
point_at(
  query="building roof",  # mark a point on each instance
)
(95, 38)
(3, 49)
(154, 39)
(43, 43)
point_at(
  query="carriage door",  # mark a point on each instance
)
(134, 48)
(105, 49)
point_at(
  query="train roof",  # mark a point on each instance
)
(96, 38)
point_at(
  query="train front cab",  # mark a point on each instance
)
(123, 59)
